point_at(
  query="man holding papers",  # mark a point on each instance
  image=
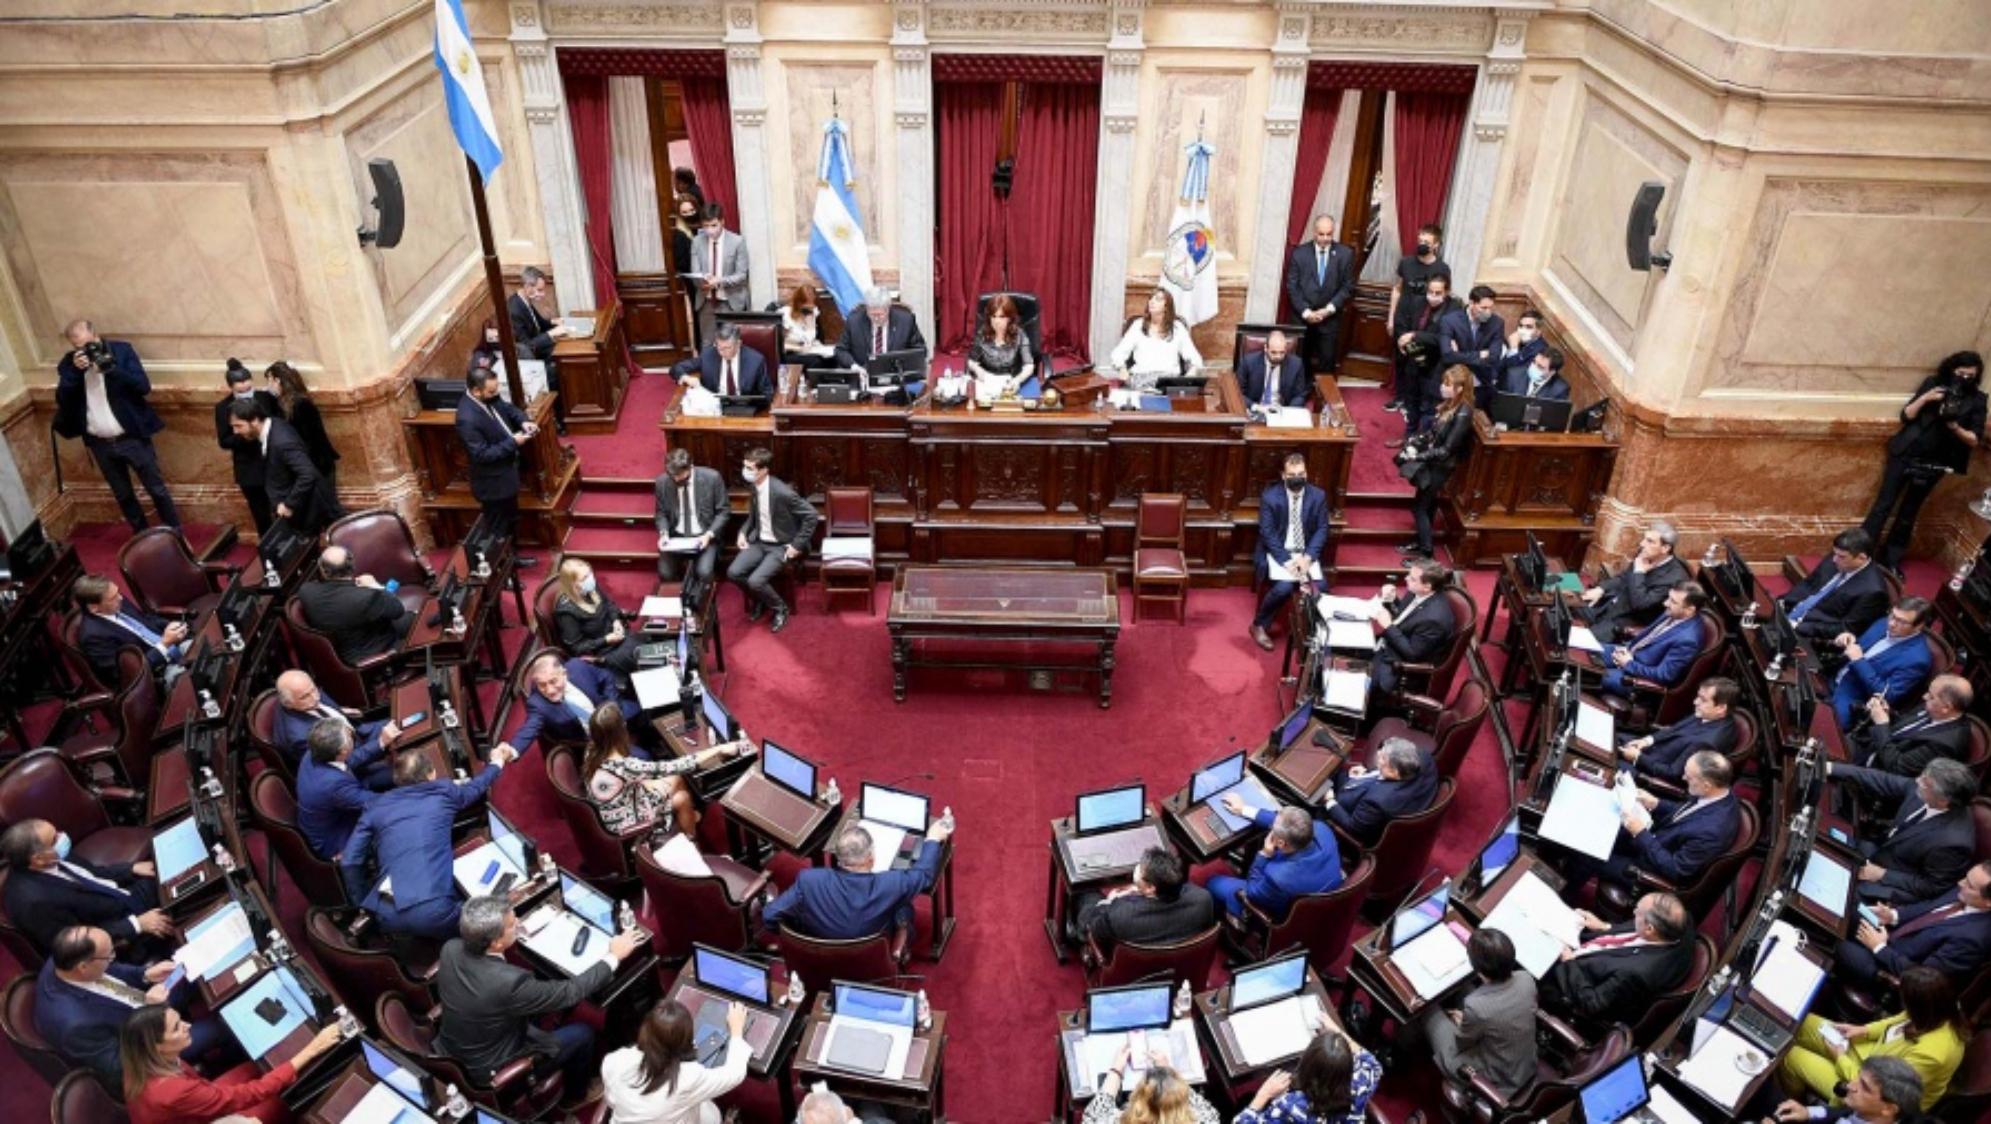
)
(692, 510)
(1931, 840)
(1299, 857)
(399, 864)
(1674, 839)
(1630, 598)
(1292, 532)
(1416, 627)
(1663, 649)
(1402, 781)
(1951, 934)
(1614, 976)
(1664, 752)
(1890, 659)
(82, 998)
(851, 900)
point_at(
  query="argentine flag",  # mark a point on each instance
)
(463, 89)
(1189, 257)
(836, 237)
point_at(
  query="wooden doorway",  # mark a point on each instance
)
(657, 303)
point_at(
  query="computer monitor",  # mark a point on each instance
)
(879, 804)
(836, 376)
(796, 774)
(1111, 808)
(29, 552)
(1182, 386)
(1110, 1010)
(1518, 411)
(265, 1012)
(588, 903)
(1213, 779)
(1535, 563)
(1590, 419)
(1420, 916)
(1826, 882)
(731, 975)
(1269, 982)
(1293, 725)
(1498, 855)
(684, 647)
(717, 716)
(876, 1004)
(177, 850)
(440, 394)
(905, 362)
(1741, 579)
(512, 842)
(1617, 1094)
(393, 1074)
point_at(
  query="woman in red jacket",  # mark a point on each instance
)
(161, 1089)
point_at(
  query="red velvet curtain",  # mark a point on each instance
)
(587, 109)
(708, 117)
(1427, 145)
(1049, 219)
(967, 261)
(1317, 115)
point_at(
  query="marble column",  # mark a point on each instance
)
(16, 509)
(746, 93)
(1479, 158)
(1119, 111)
(912, 116)
(639, 235)
(553, 159)
(1280, 154)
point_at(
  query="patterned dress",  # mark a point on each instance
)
(623, 800)
(1292, 1108)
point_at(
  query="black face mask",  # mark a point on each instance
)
(1296, 484)
(1426, 250)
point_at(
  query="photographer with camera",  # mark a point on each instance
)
(100, 396)
(1940, 426)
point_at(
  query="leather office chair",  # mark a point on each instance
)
(1968, 1100)
(851, 516)
(119, 750)
(1127, 962)
(81, 1099)
(382, 545)
(760, 331)
(1699, 894)
(1979, 758)
(1250, 338)
(721, 910)
(362, 972)
(1434, 680)
(1161, 567)
(163, 576)
(261, 727)
(1744, 751)
(15, 939)
(1651, 705)
(361, 682)
(1321, 923)
(41, 785)
(819, 960)
(17, 1021)
(69, 639)
(1668, 1006)
(1942, 657)
(1404, 851)
(604, 853)
(1555, 1086)
(512, 1090)
(1030, 311)
(274, 810)
(1452, 728)
(545, 630)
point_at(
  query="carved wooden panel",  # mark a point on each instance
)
(1011, 477)
(883, 466)
(1134, 471)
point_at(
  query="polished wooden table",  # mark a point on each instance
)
(1038, 616)
(1233, 1074)
(921, 1087)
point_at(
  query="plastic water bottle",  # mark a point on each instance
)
(210, 786)
(625, 918)
(453, 1103)
(548, 869)
(1712, 557)
(924, 1010)
(271, 578)
(232, 638)
(223, 859)
(449, 719)
(1962, 574)
(832, 795)
(947, 819)
(1749, 616)
(796, 992)
(208, 707)
(1184, 999)
(348, 1025)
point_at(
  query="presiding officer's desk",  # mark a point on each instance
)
(1084, 862)
(1235, 1074)
(920, 1088)
(771, 1031)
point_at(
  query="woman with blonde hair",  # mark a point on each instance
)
(1161, 1097)
(589, 621)
(628, 790)
(1427, 459)
(1156, 346)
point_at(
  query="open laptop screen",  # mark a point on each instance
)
(1216, 778)
(1114, 807)
(1500, 853)
(177, 850)
(507, 839)
(736, 976)
(1140, 1007)
(1617, 1094)
(787, 770)
(1268, 982)
(891, 806)
(1419, 917)
(588, 903)
(876, 1005)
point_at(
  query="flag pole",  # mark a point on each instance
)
(494, 280)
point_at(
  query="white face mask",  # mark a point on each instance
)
(1435, 298)
(1541, 374)
(1524, 333)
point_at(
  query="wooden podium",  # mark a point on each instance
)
(1515, 482)
(594, 372)
(549, 476)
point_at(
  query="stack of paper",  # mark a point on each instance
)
(1434, 961)
(1289, 417)
(1276, 1030)
(662, 607)
(1353, 636)
(1344, 690)
(217, 943)
(1538, 922)
(555, 942)
(1583, 640)
(1713, 1070)
(847, 546)
(1279, 572)
(1582, 817)
(1595, 726)
(656, 687)
(1334, 606)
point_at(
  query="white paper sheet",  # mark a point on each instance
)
(1595, 725)
(1353, 636)
(1712, 1068)
(1582, 817)
(656, 687)
(206, 953)
(1538, 922)
(470, 866)
(1289, 417)
(668, 607)
(555, 942)
(583, 327)
(1276, 1030)
(1434, 961)
(1333, 605)
(676, 544)
(885, 843)
(847, 546)
(1344, 690)
(1667, 1108)
(1279, 572)
(1581, 638)
(382, 1105)
(1787, 979)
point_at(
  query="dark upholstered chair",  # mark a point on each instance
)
(382, 545)
(818, 960)
(119, 749)
(851, 516)
(511, 1090)
(604, 854)
(163, 576)
(1404, 850)
(40, 785)
(1968, 1100)
(360, 972)
(1653, 704)
(69, 639)
(1667, 1007)
(261, 727)
(1030, 311)
(1446, 733)
(274, 810)
(1434, 680)
(760, 331)
(81, 1099)
(1321, 923)
(1555, 1086)
(1697, 895)
(1980, 748)
(1161, 566)
(1127, 962)
(343, 681)
(17, 1020)
(1250, 338)
(722, 910)
(544, 598)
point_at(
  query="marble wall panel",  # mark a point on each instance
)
(809, 89)
(1613, 155)
(1218, 99)
(413, 131)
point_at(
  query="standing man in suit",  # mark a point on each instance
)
(883, 327)
(1420, 351)
(1843, 593)
(727, 367)
(1539, 377)
(492, 431)
(356, 611)
(1950, 933)
(1413, 273)
(397, 864)
(48, 890)
(83, 995)
(108, 624)
(778, 529)
(330, 795)
(1414, 627)
(1401, 780)
(563, 699)
(1288, 383)
(1299, 857)
(691, 504)
(1935, 729)
(1292, 531)
(1664, 752)
(246, 455)
(1886, 1089)
(1161, 906)
(1890, 660)
(301, 706)
(1940, 427)
(1476, 338)
(1614, 976)
(1662, 650)
(1632, 597)
(719, 266)
(1931, 840)
(535, 332)
(296, 490)
(1493, 1029)
(855, 900)
(1674, 839)
(100, 393)
(1320, 275)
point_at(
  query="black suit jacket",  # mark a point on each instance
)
(709, 503)
(901, 334)
(1616, 985)
(751, 371)
(1364, 807)
(1422, 636)
(1922, 859)
(531, 331)
(102, 639)
(245, 452)
(1671, 746)
(1426, 326)
(489, 1004)
(1306, 291)
(291, 479)
(794, 518)
(362, 622)
(493, 452)
(1632, 600)
(1292, 389)
(1145, 920)
(44, 904)
(1906, 744)
(1859, 601)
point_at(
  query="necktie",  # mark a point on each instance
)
(684, 508)
(1921, 814)
(578, 702)
(111, 987)
(1913, 725)
(1408, 609)
(1684, 812)
(150, 637)
(1535, 385)
(1811, 602)
(1271, 396)
(491, 407)
(1293, 539)
(82, 877)
(766, 515)
(1320, 266)
(1656, 633)
(1933, 917)
(715, 261)
(732, 386)
(877, 340)
(1607, 942)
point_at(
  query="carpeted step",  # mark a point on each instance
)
(1374, 558)
(614, 509)
(1368, 519)
(612, 544)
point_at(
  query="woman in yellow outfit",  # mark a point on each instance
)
(1929, 1035)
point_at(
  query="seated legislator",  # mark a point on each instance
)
(726, 367)
(48, 891)
(1522, 345)
(1845, 592)
(589, 621)
(1000, 357)
(161, 1088)
(660, 1079)
(1950, 933)
(1663, 650)
(1161, 906)
(1929, 1035)
(1156, 346)
(628, 790)
(1288, 384)
(1890, 660)
(802, 339)
(1160, 1095)
(1884, 1091)
(1541, 377)
(330, 797)
(883, 328)
(1935, 729)
(398, 863)
(1615, 974)
(1415, 627)
(691, 504)
(108, 623)
(1401, 780)
(854, 900)
(1636, 595)
(777, 529)
(1292, 531)
(83, 995)
(1664, 752)
(1929, 843)
(491, 1007)
(1492, 1029)
(358, 613)
(1299, 857)
(1674, 839)
(1331, 1085)
(301, 706)
(563, 699)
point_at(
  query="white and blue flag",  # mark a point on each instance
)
(837, 252)
(1189, 257)
(463, 89)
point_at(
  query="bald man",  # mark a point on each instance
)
(361, 617)
(1273, 375)
(301, 705)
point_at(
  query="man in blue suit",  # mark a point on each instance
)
(1476, 337)
(1287, 387)
(49, 890)
(1950, 933)
(398, 863)
(1519, 351)
(563, 698)
(852, 900)
(301, 706)
(727, 367)
(100, 393)
(1401, 780)
(83, 995)
(492, 430)
(1299, 857)
(108, 623)
(1674, 839)
(1540, 377)
(1891, 659)
(1663, 649)
(1292, 531)
(330, 796)
(1664, 752)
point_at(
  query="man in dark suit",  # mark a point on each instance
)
(491, 1007)
(1664, 752)
(492, 430)
(1287, 387)
(100, 393)
(297, 491)
(1539, 377)
(1320, 275)
(360, 616)
(1937, 728)
(1631, 598)
(727, 367)
(1401, 780)
(1950, 933)
(691, 504)
(1161, 906)
(1292, 531)
(1477, 337)
(778, 528)
(48, 890)
(855, 899)
(1614, 976)
(1420, 351)
(1931, 840)
(1417, 626)
(330, 795)
(398, 862)
(534, 332)
(246, 455)
(1519, 350)
(1843, 593)
(1674, 839)
(1942, 424)
(1890, 659)
(1885, 1090)
(1663, 650)
(883, 327)
(301, 706)
(108, 624)
(83, 995)
(563, 699)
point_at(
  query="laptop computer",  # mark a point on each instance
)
(787, 770)
(1497, 856)
(896, 819)
(735, 976)
(588, 903)
(407, 1082)
(1781, 991)
(1269, 982)
(266, 1012)
(717, 717)
(1292, 726)
(1619, 1094)
(179, 855)
(872, 1029)
(1211, 783)
(1826, 882)
(511, 842)
(1138, 1014)
(1110, 809)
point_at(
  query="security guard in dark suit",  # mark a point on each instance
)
(492, 430)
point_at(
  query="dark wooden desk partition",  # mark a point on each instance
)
(549, 477)
(594, 371)
(1513, 483)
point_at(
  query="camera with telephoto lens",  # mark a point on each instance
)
(99, 355)
(1951, 407)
